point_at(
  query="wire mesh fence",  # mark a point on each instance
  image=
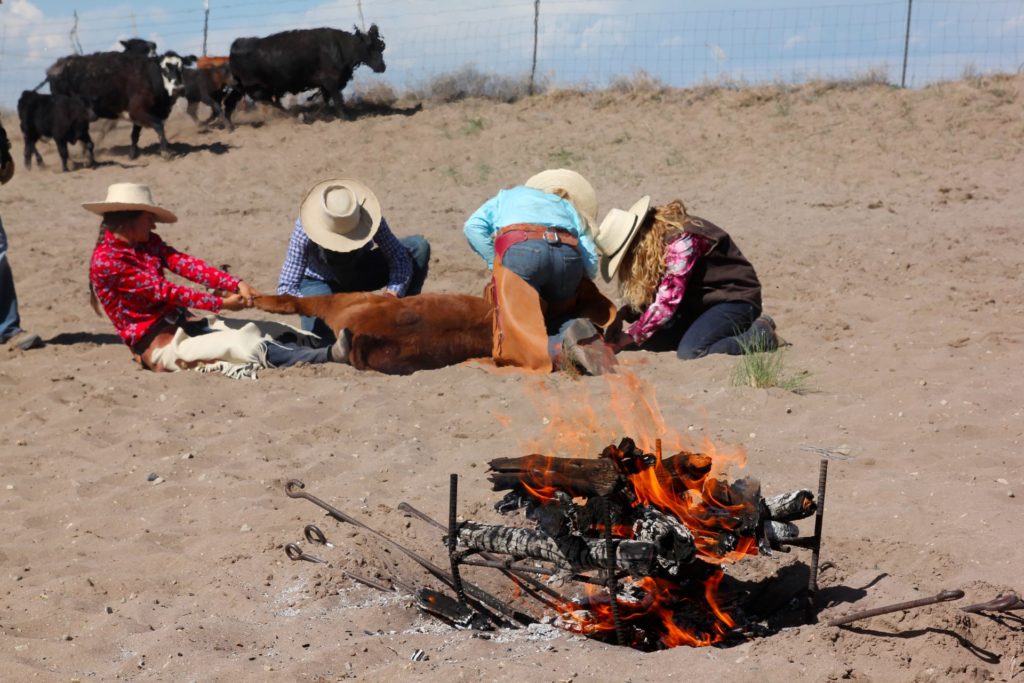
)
(576, 42)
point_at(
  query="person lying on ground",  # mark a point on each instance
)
(150, 313)
(342, 243)
(693, 289)
(536, 239)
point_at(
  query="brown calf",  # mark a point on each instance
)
(399, 336)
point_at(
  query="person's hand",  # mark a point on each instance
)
(248, 293)
(233, 302)
(621, 341)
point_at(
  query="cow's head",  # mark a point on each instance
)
(171, 66)
(6, 162)
(146, 48)
(374, 47)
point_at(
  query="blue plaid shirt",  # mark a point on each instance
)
(303, 260)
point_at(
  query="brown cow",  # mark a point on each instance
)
(399, 336)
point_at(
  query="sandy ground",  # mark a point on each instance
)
(886, 227)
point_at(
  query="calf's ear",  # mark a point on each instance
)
(372, 32)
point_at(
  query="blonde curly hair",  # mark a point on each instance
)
(643, 266)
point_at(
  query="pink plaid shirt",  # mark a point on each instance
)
(680, 256)
(130, 284)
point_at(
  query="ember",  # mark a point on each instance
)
(665, 526)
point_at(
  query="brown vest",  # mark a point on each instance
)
(723, 274)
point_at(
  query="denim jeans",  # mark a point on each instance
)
(371, 274)
(10, 322)
(554, 270)
(722, 328)
(284, 354)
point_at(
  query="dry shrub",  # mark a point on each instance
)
(376, 94)
(471, 82)
(639, 83)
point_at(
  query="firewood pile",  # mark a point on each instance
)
(629, 547)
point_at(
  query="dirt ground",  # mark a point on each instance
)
(887, 228)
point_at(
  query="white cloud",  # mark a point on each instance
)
(793, 41)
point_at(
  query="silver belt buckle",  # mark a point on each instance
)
(551, 236)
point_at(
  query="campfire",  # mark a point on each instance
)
(661, 529)
(644, 537)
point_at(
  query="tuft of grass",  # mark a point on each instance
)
(565, 158)
(473, 126)
(375, 94)
(639, 83)
(763, 369)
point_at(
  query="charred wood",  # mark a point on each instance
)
(786, 507)
(573, 552)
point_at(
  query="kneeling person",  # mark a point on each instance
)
(341, 243)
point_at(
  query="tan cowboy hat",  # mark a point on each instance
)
(340, 214)
(130, 197)
(581, 193)
(617, 231)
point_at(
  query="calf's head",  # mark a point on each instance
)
(6, 162)
(171, 67)
(373, 46)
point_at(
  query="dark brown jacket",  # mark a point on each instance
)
(722, 274)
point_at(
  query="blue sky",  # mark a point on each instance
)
(581, 41)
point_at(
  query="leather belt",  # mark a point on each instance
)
(521, 232)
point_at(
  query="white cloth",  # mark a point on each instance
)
(235, 348)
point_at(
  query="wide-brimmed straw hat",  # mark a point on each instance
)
(130, 197)
(617, 231)
(579, 191)
(340, 214)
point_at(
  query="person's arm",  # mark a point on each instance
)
(588, 249)
(118, 279)
(196, 270)
(294, 266)
(479, 231)
(680, 257)
(398, 258)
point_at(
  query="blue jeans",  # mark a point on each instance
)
(10, 322)
(554, 270)
(722, 328)
(284, 354)
(373, 273)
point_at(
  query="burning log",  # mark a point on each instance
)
(569, 551)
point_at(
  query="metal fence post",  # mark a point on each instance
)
(906, 45)
(536, 23)
(206, 23)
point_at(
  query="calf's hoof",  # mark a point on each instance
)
(342, 347)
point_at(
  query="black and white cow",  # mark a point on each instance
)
(6, 161)
(124, 82)
(64, 119)
(295, 61)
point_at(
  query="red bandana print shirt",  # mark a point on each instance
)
(130, 284)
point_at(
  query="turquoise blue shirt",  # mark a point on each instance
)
(526, 205)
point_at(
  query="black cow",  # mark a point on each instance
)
(209, 85)
(6, 161)
(296, 61)
(146, 48)
(65, 119)
(116, 82)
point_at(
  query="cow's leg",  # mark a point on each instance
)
(231, 100)
(191, 111)
(88, 147)
(332, 96)
(217, 111)
(158, 126)
(62, 149)
(30, 146)
(133, 153)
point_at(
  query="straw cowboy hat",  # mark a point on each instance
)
(580, 192)
(340, 214)
(130, 197)
(617, 231)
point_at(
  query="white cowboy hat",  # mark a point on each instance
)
(617, 231)
(340, 214)
(130, 197)
(580, 192)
